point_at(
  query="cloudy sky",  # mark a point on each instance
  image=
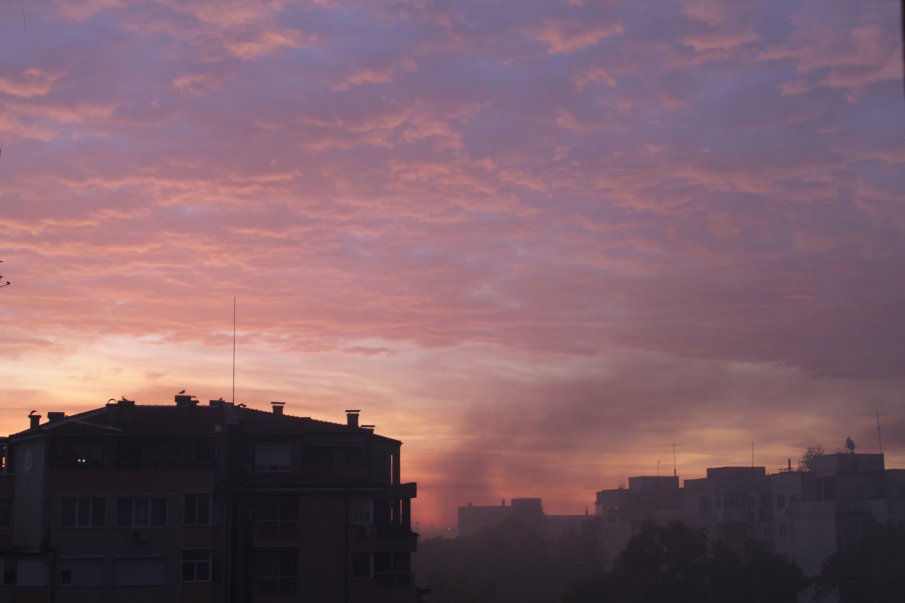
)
(536, 240)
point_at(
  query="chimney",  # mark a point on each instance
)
(352, 418)
(53, 417)
(35, 419)
(277, 407)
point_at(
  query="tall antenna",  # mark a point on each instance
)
(878, 414)
(675, 470)
(752, 453)
(234, 350)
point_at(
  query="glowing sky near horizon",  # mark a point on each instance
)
(537, 241)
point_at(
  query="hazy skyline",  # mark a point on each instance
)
(536, 241)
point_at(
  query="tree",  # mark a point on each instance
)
(513, 562)
(806, 462)
(674, 564)
(868, 571)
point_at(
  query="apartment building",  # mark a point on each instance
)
(805, 516)
(190, 502)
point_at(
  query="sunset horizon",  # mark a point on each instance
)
(539, 243)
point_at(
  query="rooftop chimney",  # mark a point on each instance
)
(35, 419)
(277, 407)
(53, 417)
(352, 418)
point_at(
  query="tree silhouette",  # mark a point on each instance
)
(674, 564)
(869, 571)
(806, 462)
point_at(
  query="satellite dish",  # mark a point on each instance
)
(850, 444)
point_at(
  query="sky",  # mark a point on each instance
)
(538, 241)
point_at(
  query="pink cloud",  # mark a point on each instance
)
(623, 235)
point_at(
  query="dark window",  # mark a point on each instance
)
(276, 571)
(139, 571)
(81, 572)
(317, 457)
(6, 512)
(197, 566)
(197, 509)
(361, 565)
(361, 511)
(141, 512)
(83, 512)
(392, 569)
(276, 516)
(780, 501)
(7, 571)
(272, 459)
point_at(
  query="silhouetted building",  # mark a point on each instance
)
(203, 503)
(803, 515)
(528, 511)
(622, 511)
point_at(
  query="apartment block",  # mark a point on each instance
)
(189, 502)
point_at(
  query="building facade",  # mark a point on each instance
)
(804, 515)
(191, 502)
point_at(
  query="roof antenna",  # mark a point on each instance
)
(878, 414)
(234, 350)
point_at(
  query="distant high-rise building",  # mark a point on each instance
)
(192, 502)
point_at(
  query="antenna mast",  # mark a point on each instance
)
(234, 350)
(878, 414)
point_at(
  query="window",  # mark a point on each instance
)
(197, 509)
(276, 516)
(83, 512)
(81, 572)
(780, 501)
(361, 565)
(139, 571)
(783, 531)
(276, 571)
(273, 459)
(7, 571)
(141, 512)
(6, 512)
(197, 566)
(318, 457)
(361, 511)
(392, 569)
